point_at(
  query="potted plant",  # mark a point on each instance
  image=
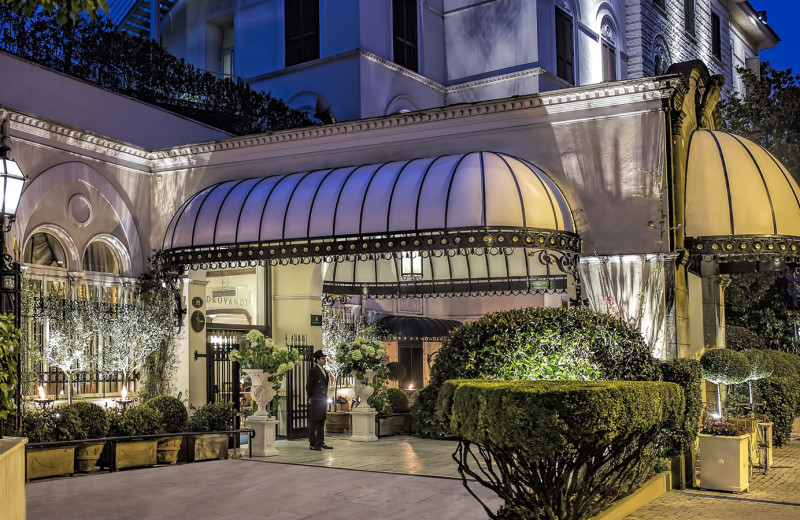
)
(365, 360)
(128, 453)
(172, 419)
(265, 364)
(211, 417)
(723, 456)
(42, 427)
(399, 404)
(724, 366)
(94, 426)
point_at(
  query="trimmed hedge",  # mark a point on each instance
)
(136, 420)
(171, 412)
(685, 373)
(398, 400)
(212, 417)
(594, 441)
(536, 343)
(93, 419)
(722, 365)
(740, 338)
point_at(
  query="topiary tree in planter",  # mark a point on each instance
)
(761, 367)
(136, 420)
(724, 366)
(171, 411)
(93, 419)
(398, 400)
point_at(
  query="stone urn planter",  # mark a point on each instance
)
(87, 455)
(262, 390)
(167, 450)
(723, 462)
(49, 461)
(362, 391)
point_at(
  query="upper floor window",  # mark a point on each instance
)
(226, 51)
(302, 31)
(688, 16)
(716, 36)
(101, 257)
(609, 61)
(565, 49)
(404, 30)
(44, 249)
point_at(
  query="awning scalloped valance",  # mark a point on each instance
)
(740, 202)
(362, 219)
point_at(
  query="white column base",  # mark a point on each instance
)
(363, 424)
(263, 444)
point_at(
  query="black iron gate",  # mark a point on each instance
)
(222, 374)
(295, 385)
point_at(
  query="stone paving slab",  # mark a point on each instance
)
(775, 496)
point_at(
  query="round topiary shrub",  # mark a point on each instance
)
(725, 366)
(172, 413)
(761, 364)
(93, 418)
(398, 400)
(396, 370)
(740, 338)
(537, 343)
(136, 420)
(212, 417)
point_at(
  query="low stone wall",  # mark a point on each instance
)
(12, 478)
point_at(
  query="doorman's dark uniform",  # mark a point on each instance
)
(317, 392)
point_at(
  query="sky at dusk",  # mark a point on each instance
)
(783, 16)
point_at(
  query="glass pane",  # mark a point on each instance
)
(227, 37)
(45, 249)
(100, 257)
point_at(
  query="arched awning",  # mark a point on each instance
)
(418, 328)
(481, 222)
(741, 202)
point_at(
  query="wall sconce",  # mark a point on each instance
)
(411, 266)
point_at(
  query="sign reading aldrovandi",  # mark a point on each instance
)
(227, 302)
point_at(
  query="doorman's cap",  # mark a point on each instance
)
(318, 354)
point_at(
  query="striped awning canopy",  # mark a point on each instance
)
(418, 328)
(480, 222)
(741, 202)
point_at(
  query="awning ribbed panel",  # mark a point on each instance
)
(469, 191)
(740, 200)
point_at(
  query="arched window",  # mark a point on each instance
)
(45, 249)
(101, 257)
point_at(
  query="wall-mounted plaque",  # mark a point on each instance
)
(316, 320)
(197, 302)
(198, 321)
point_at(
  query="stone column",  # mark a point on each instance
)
(263, 443)
(713, 305)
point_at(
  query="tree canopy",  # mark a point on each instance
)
(62, 9)
(767, 113)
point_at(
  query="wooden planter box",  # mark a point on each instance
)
(49, 462)
(724, 463)
(207, 447)
(129, 454)
(86, 456)
(337, 422)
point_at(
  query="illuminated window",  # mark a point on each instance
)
(45, 249)
(226, 38)
(101, 257)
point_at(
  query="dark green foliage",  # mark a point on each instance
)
(768, 113)
(136, 420)
(212, 417)
(59, 423)
(782, 400)
(685, 373)
(64, 10)
(380, 401)
(595, 442)
(537, 343)
(722, 365)
(398, 400)
(10, 336)
(423, 412)
(761, 364)
(396, 371)
(93, 419)
(761, 302)
(741, 338)
(171, 411)
(785, 365)
(139, 67)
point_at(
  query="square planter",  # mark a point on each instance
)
(167, 450)
(724, 463)
(49, 462)
(129, 454)
(208, 446)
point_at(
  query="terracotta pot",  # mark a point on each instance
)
(167, 450)
(86, 456)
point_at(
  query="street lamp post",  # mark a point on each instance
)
(11, 182)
